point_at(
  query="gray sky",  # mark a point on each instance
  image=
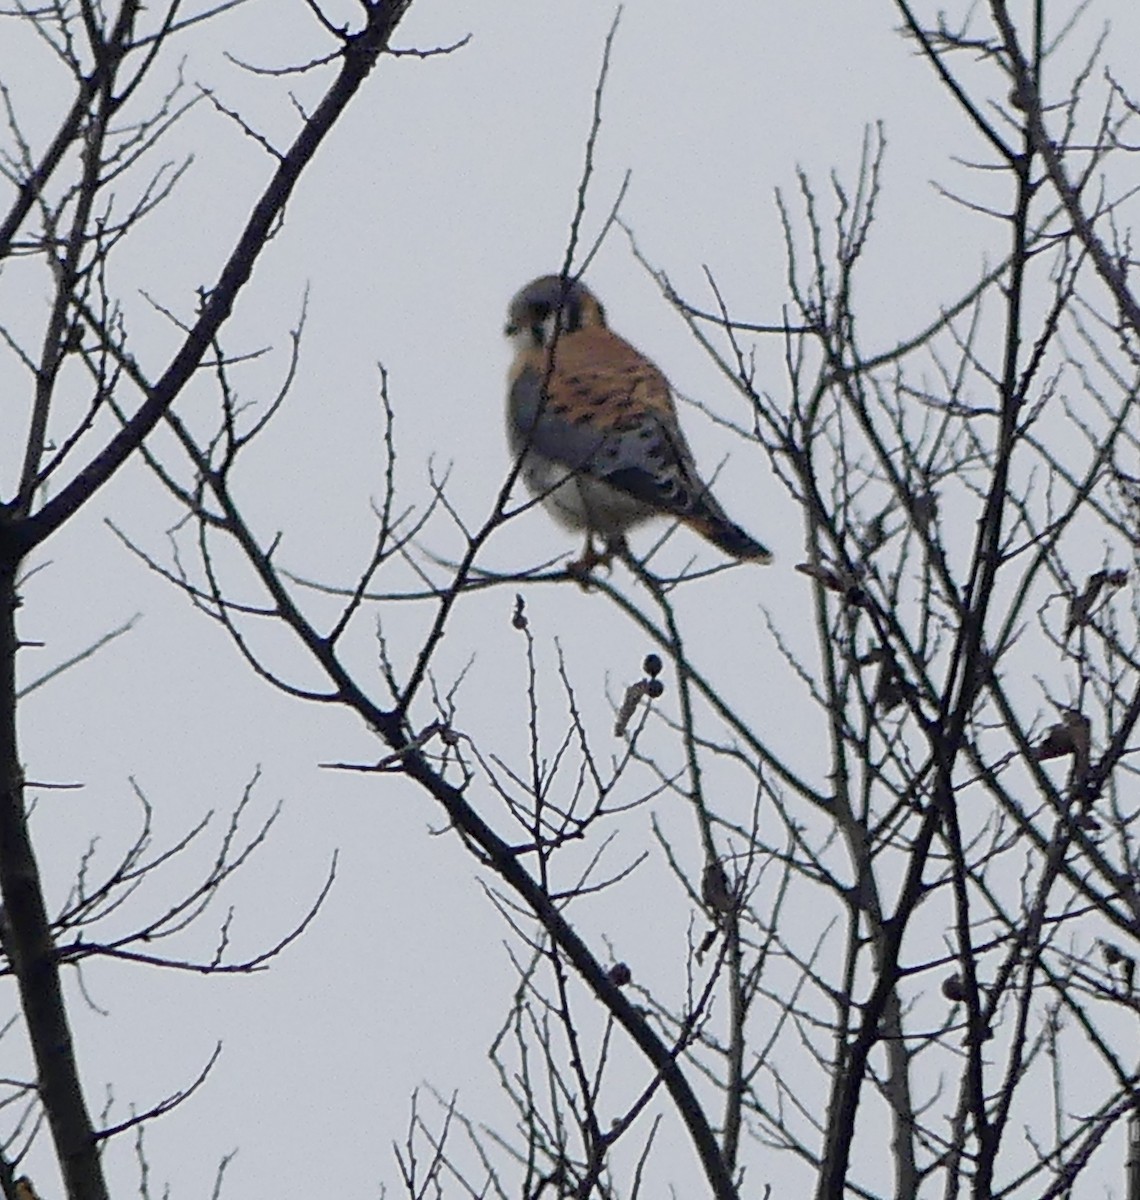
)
(450, 183)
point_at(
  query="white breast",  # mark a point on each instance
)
(579, 501)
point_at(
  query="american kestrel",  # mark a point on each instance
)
(596, 426)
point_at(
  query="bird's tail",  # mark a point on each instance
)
(713, 525)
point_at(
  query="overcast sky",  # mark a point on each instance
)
(450, 182)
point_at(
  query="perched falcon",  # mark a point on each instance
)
(595, 424)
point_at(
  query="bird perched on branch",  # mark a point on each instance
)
(596, 427)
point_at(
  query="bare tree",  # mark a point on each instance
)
(904, 923)
(74, 200)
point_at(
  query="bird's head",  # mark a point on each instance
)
(551, 306)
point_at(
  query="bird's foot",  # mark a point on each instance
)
(581, 568)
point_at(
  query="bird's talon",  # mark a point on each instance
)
(582, 568)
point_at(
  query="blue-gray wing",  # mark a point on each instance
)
(599, 424)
